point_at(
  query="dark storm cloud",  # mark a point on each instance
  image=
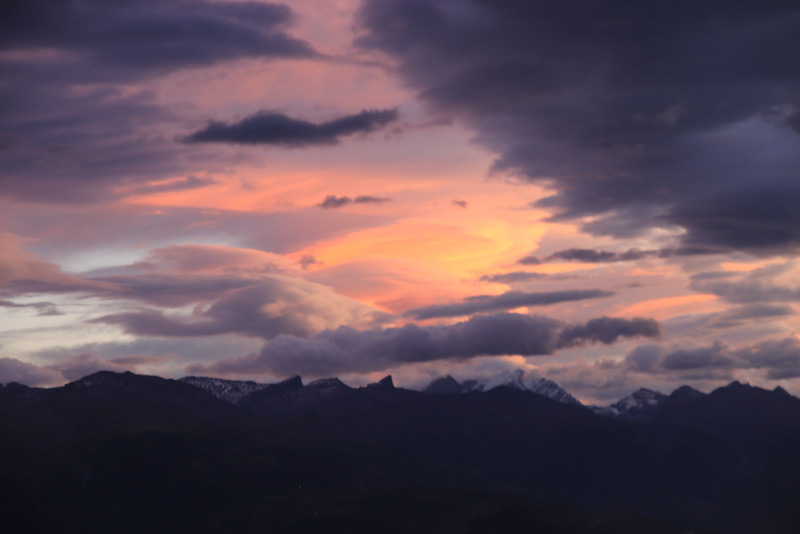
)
(349, 350)
(638, 113)
(583, 255)
(131, 38)
(607, 330)
(332, 201)
(506, 301)
(265, 128)
(79, 146)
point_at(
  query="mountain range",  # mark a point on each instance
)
(131, 453)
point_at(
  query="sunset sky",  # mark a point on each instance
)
(603, 193)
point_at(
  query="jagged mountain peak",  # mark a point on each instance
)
(294, 382)
(385, 382)
(782, 391)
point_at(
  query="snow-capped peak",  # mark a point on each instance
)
(516, 379)
(640, 404)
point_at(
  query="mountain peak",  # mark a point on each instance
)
(782, 391)
(641, 404)
(445, 385)
(104, 377)
(386, 382)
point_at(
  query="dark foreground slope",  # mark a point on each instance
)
(131, 453)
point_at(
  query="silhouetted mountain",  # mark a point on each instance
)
(145, 454)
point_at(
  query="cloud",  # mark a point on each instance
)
(78, 121)
(367, 199)
(346, 349)
(213, 258)
(332, 201)
(583, 255)
(308, 260)
(529, 260)
(779, 359)
(265, 308)
(13, 370)
(82, 365)
(506, 301)
(513, 277)
(184, 184)
(607, 330)
(760, 285)
(739, 316)
(235, 291)
(638, 115)
(128, 38)
(700, 358)
(460, 203)
(42, 308)
(72, 367)
(266, 128)
(23, 272)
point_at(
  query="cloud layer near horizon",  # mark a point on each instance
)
(347, 350)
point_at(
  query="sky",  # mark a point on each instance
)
(603, 193)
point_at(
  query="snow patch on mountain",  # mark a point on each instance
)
(641, 404)
(227, 390)
(516, 379)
